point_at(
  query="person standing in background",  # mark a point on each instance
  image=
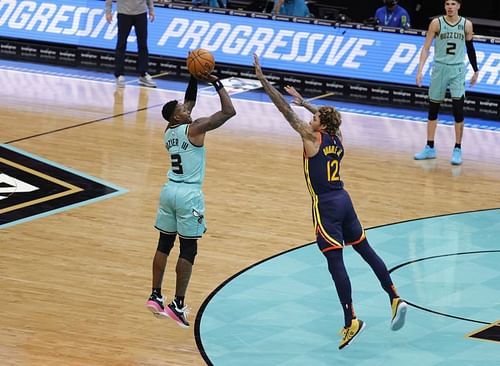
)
(296, 8)
(132, 13)
(393, 15)
(211, 3)
(453, 35)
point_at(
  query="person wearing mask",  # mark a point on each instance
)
(392, 15)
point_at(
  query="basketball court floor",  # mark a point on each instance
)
(81, 168)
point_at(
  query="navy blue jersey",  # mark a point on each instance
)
(334, 218)
(322, 171)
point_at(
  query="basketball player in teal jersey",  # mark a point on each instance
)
(182, 207)
(335, 221)
(453, 34)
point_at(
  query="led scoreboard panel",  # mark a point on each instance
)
(290, 46)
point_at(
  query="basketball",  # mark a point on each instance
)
(200, 60)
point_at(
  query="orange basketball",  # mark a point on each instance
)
(200, 60)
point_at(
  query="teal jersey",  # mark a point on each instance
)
(449, 45)
(188, 160)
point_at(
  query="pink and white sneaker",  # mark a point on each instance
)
(155, 305)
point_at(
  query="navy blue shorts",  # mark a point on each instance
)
(335, 221)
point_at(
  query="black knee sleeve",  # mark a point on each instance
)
(458, 109)
(188, 249)
(433, 110)
(165, 243)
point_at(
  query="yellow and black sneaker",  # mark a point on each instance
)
(399, 308)
(349, 334)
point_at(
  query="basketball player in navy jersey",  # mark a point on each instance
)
(335, 221)
(182, 206)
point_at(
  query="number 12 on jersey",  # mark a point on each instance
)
(332, 170)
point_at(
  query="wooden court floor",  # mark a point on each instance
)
(73, 284)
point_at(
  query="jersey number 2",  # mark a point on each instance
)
(451, 48)
(176, 164)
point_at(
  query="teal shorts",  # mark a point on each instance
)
(181, 210)
(447, 76)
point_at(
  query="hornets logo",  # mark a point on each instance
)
(31, 187)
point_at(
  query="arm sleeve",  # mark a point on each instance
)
(471, 53)
(108, 6)
(151, 6)
(192, 90)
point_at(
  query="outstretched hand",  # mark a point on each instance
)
(206, 76)
(258, 69)
(297, 98)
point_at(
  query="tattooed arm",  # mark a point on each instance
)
(297, 124)
(310, 139)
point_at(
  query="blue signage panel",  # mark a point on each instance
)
(288, 46)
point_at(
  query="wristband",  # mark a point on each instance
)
(217, 85)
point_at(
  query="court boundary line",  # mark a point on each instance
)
(81, 124)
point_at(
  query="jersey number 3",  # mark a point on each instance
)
(332, 168)
(176, 163)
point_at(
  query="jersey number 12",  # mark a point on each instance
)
(332, 168)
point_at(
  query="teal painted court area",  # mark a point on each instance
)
(285, 311)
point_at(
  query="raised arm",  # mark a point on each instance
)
(191, 93)
(431, 33)
(303, 128)
(200, 126)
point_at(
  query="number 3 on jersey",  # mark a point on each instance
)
(332, 168)
(176, 163)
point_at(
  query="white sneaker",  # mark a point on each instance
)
(147, 80)
(120, 81)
